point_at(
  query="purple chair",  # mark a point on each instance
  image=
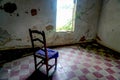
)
(43, 53)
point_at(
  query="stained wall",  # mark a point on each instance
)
(109, 25)
(17, 16)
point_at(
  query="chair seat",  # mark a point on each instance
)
(51, 53)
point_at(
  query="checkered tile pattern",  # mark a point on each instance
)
(74, 63)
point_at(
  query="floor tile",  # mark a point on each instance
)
(74, 63)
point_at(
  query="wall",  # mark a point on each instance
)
(87, 16)
(17, 16)
(109, 26)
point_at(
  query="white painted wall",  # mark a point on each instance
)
(109, 25)
(16, 27)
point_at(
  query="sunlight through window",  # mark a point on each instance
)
(65, 15)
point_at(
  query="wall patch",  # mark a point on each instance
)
(98, 38)
(4, 37)
(33, 12)
(49, 27)
(82, 38)
(9, 7)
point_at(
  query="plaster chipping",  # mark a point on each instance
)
(4, 37)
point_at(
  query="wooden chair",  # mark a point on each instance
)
(43, 53)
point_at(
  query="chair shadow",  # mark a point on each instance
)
(38, 75)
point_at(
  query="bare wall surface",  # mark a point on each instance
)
(109, 26)
(17, 16)
(86, 19)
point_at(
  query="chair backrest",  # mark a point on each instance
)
(41, 40)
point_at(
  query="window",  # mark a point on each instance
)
(65, 15)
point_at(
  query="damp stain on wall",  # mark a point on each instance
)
(10, 7)
(82, 38)
(1, 7)
(33, 12)
(38, 9)
(85, 11)
(98, 38)
(34, 27)
(119, 1)
(26, 12)
(4, 37)
(112, 29)
(49, 27)
(105, 2)
(17, 14)
(18, 39)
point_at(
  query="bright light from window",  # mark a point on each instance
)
(64, 15)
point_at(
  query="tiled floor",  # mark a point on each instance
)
(74, 63)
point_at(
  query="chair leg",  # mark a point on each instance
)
(35, 63)
(55, 63)
(47, 71)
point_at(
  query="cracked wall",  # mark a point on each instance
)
(109, 25)
(41, 15)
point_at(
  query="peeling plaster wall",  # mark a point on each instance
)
(41, 15)
(109, 26)
(34, 14)
(87, 16)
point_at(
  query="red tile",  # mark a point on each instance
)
(55, 77)
(74, 57)
(87, 59)
(16, 63)
(67, 58)
(108, 59)
(80, 53)
(110, 71)
(97, 67)
(14, 73)
(25, 66)
(31, 61)
(86, 64)
(76, 61)
(98, 62)
(83, 77)
(89, 55)
(72, 51)
(98, 75)
(108, 64)
(79, 56)
(64, 64)
(75, 48)
(118, 62)
(118, 66)
(70, 55)
(23, 77)
(97, 57)
(85, 70)
(70, 75)
(8, 67)
(74, 67)
(107, 55)
(110, 77)
(31, 70)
